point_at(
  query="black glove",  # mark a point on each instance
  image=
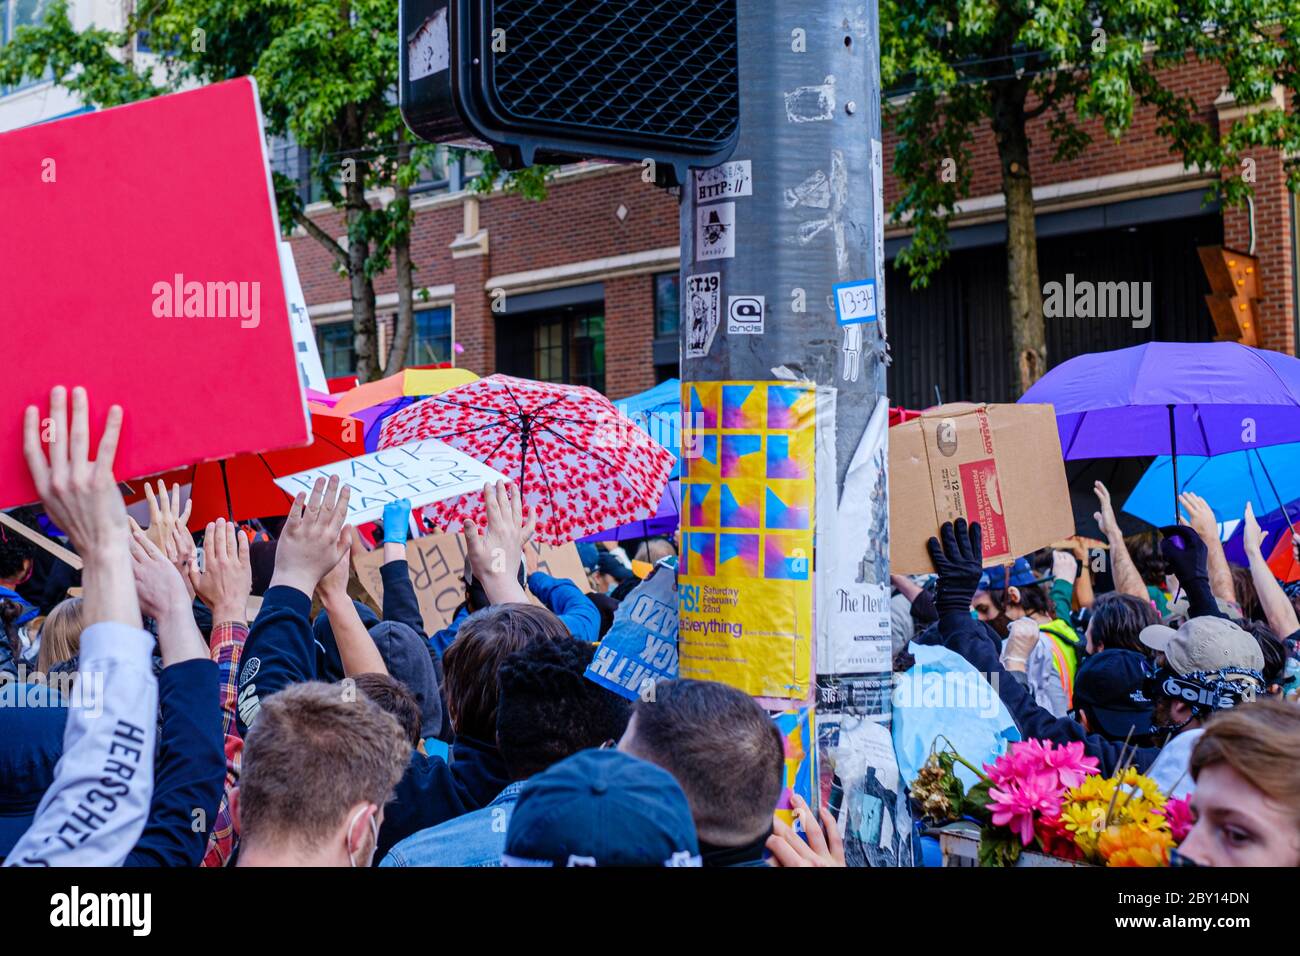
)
(960, 563)
(1188, 558)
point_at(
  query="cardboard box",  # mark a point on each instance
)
(999, 465)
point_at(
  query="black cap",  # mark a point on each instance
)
(1109, 686)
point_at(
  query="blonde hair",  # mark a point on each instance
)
(1259, 741)
(60, 635)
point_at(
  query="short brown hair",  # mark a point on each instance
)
(724, 750)
(316, 751)
(470, 664)
(393, 697)
(1259, 742)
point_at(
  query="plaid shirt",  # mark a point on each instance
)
(227, 648)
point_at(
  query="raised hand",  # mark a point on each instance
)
(227, 577)
(82, 498)
(958, 556)
(1065, 566)
(495, 552)
(1200, 516)
(165, 598)
(315, 536)
(1105, 518)
(165, 512)
(1252, 536)
(397, 521)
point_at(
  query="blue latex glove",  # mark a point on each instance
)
(397, 520)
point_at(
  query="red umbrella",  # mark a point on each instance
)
(580, 464)
(243, 487)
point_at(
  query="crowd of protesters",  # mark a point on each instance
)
(152, 721)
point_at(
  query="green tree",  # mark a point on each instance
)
(952, 66)
(326, 72)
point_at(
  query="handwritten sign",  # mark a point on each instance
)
(437, 563)
(423, 471)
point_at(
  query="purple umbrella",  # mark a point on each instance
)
(664, 521)
(1162, 398)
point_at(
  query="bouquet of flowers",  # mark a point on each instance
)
(1051, 798)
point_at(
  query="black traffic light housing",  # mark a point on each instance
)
(551, 81)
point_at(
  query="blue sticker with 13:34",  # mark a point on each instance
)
(855, 302)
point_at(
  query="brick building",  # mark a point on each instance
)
(584, 283)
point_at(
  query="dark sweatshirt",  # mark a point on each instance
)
(190, 769)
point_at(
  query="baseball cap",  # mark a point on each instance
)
(1018, 574)
(32, 721)
(1109, 684)
(601, 808)
(1204, 644)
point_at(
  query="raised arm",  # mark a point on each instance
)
(1200, 516)
(95, 809)
(280, 649)
(356, 648)
(1278, 609)
(1122, 569)
(190, 770)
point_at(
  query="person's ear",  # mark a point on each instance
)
(359, 829)
(1180, 711)
(1012, 596)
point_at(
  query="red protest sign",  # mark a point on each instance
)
(138, 257)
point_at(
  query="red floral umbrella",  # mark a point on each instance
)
(580, 464)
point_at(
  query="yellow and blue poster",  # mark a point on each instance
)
(745, 584)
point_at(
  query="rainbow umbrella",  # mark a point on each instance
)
(373, 402)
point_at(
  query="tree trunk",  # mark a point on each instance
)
(402, 262)
(360, 287)
(1024, 291)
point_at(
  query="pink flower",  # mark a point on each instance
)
(1178, 812)
(1015, 806)
(1069, 763)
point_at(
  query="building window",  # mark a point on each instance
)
(15, 14)
(667, 304)
(430, 338)
(337, 354)
(566, 344)
(667, 320)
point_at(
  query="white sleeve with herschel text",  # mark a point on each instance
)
(96, 808)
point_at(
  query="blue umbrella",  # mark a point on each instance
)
(1268, 478)
(658, 411)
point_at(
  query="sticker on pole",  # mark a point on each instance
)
(703, 306)
(715, 232)
(745, 314)
(724, 182)
(855, 302)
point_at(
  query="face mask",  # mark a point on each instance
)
(374, 843)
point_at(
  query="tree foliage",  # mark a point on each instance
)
(952, 66)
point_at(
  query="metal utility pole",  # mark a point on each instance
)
(765, 239)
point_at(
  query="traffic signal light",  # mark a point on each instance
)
(1235, 291)
(550, 81)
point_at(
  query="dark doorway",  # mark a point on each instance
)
(954, 334)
